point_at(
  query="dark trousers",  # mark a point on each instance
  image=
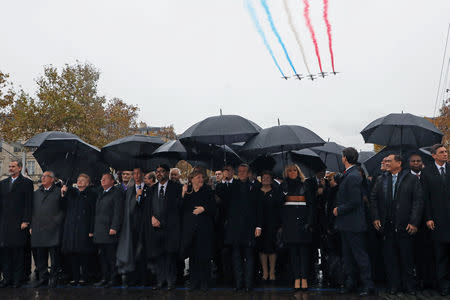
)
(78, 266)
(354, 253)
(243, 262)
(299, 255)
(424, 258)
(399, 261)
(13, 264)
(442, 256)
(166, 268)
(107, 255)
(42, 254)
(199, 264)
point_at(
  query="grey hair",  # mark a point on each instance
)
(52, 174)
(18, 161)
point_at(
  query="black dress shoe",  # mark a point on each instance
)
(52, 282)
(101, 283)
(248, 289)
(345, 290)
(170, 286)
(410, 292)
(73, 282)
(443, 292)
(16, 284)
(38, 283)
(393, 291)
(237, 289)
(4, 284)
(367, 292)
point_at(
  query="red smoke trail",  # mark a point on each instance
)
(330, 44)
(311, 30)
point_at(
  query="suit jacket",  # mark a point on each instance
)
(47, 217)
(164, 239)
(437, 201)
(244, 214)
(108, 215)
(406, 207)
(15, 208)
(349, 201)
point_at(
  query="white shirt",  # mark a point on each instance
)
(416, 174)
(163, 185)
(439, 167)
(228, 181)
(105, 191)
(13, 179)
(139, 186)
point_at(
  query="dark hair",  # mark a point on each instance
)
(164, 166)
(18, 161)
(228, 168)
(351, 155)
(434, 148)
(151, 175)
(245, 165)
(110, 175)
(267, 172)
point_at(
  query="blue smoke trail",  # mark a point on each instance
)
(252, 12)
(272, 25)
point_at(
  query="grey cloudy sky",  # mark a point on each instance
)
(181, 61)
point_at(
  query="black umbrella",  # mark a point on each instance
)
(131, 152)
(402, 129)
(281, 138)
(365, 155)
(331, 155)
(211, 156)
(171, 149)
(373, 163)
(38, 139)
(68, 157)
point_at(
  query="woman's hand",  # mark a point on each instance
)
(198, 210)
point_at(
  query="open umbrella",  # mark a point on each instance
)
(131, 152)
(211, 156)
(38, 139)
(68, 157)
(402, 129)
(331, 155)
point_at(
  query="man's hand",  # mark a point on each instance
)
(112, 232)
(198, 210)
(155, 222)
(320, 191)
(91, 234)
(23, 225)
(430, 224)
(63, 190)
(257, 232)
(411, 229)
(377, 224)
(30, 231)
(139, 193)
(335, 211)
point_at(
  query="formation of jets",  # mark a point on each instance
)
(310, 76)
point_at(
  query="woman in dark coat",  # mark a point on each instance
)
(298, 215)
(78, 227)
(198, 211)
(271, 197)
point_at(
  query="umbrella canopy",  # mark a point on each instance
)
(331, 155)
(365, 155)
(68, 157)
(131, 152)
(212, 156)
(282, 138)
(373, 163)
(38, 139)
(402, 129)
(220, 130)
(172, 149)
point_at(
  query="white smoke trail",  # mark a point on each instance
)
(297, 36)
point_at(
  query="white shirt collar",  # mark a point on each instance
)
(163, 185)
(439, 167)
(418, 173)
(105, 191)
(349, 168)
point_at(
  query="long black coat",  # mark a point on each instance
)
(15, 208)
(298, 220)
(166, 238)
(437, 201)
(47, 217)
(198, 226)
(79, 221)
(244, 214)
(108, 215)
(405, 208)
(349, 201)
(271, 204)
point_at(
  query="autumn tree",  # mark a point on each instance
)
(66, 100)
(443, 122)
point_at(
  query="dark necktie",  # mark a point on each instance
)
(11, 184)
(161, 192)
(394, 181)
(442, 172)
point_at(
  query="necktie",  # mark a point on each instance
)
(139, 198)
(11, 184)
(442, 171)
(394, 181)
(161, 192)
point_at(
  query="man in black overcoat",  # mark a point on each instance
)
(162, 222)
(243, 224)
(16, 195)
(436, 187)
(351, 222)
(46, 229)
(397, 206)
(107, 226)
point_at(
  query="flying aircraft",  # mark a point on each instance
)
(285, 77)
(334, 72)
(299, 76)
(322, 74)
(311, 77)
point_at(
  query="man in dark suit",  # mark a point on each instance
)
(351, 222)
(16, 194)
(243, 224)
(436, 187)
(163, 211)
(397, 206)
(107, 225)
(46, 229)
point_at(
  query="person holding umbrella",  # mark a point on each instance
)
(298, 221)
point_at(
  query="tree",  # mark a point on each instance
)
(443, 122)
(66, 100)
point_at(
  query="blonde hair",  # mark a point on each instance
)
(297, 168)
(85, 176)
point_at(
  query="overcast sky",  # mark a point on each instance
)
(181, 61)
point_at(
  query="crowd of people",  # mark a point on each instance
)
(347, 229)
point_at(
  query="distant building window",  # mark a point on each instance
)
(17, 149)
(31, 167)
